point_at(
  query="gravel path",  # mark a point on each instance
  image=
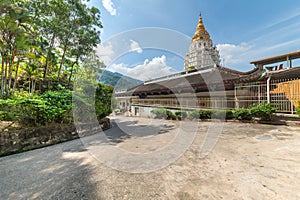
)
(249, 161)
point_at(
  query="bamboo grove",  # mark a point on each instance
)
(45, 40)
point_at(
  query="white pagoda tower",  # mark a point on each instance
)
(202, 53)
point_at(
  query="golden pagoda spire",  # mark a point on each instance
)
(201, 32)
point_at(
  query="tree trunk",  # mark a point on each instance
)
(48, 56)
(2, 67)
(33, 86)
(72, 68)
(62, 61)
(29, 85)
(5, 74)
(11, 70)
(16, 75)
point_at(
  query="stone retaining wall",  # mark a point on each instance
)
(15, 141)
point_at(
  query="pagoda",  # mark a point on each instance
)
(202, 53)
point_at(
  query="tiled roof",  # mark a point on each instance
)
(196, 81)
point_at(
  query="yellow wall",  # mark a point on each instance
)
(291, 89)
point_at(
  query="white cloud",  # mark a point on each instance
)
(105, 52)
(109, 51)
(154, 68)
(120, 68)
(233, 54)
(135, 47)
(109, 6)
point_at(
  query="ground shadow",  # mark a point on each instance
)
(124, 130)
(46, 174)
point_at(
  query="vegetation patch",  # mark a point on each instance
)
(199, 114)
(242, 114)
(263, 111)
(181, 115)
(222, 114)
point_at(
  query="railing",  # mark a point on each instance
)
(205, 103)
(284, 96)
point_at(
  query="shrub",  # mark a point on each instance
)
(7, 108)
(26, 111)
(54, 106)
(59, 105)
(38, 109)
(160, 113)
(263, 110)
(193, 115)
(229, 114)
(170, 115)
(199, 114)
(242, 114)
(222, 114)
(103, 99)
(181, 115)
(204, 114)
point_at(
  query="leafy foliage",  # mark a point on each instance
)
(181, 115)
(45, 39)
(60, 104)
(103, 102)
(38, 109)
(298, 110)
(52, 106)
(160, 113)
(199, 114)
(171, 115)
(222, 114)
(242, 114)
(263, 110)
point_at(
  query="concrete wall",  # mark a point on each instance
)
(144, 111)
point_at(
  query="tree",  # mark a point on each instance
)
(81, 33)
(44, 40)
(14, 27)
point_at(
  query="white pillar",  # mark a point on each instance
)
(288, 62)
(268, 88)
(236, 101)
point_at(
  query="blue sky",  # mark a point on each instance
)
(243, 31)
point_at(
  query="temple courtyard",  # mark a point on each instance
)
(234, 161)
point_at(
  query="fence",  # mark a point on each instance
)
(187, 103)
(284, 95)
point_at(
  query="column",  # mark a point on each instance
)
(288, 63)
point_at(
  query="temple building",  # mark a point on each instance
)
(201, 53)
(205, 84)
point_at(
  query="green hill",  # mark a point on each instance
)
(119, 81)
